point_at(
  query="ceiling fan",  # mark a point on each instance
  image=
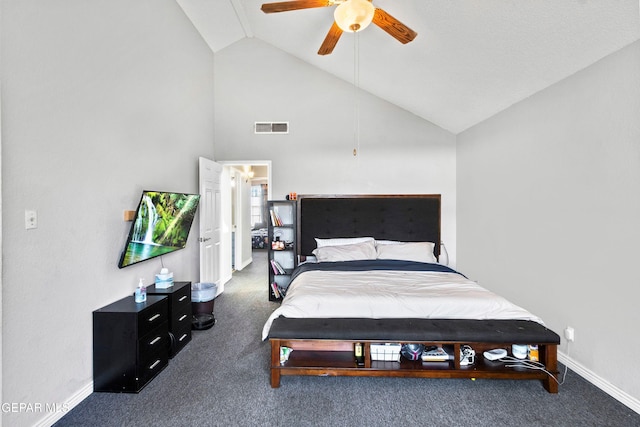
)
(350, 16)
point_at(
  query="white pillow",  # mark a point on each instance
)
(409, 251)
(388, 242)
(358, 251)
(307, 258)
(342, 241)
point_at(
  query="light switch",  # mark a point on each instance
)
(30, 219)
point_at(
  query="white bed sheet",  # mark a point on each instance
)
(392, 294)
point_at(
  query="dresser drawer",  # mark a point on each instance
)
(154, 344)
(181, 317)
(149, 369)
(181, 297)
(152, 316)
(179, 338)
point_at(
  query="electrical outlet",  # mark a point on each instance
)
(569, 334)
(30, 219)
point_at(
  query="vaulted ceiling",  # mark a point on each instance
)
(470, 60)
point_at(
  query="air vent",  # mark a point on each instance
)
(272, 127)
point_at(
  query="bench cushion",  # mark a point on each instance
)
(414, 330)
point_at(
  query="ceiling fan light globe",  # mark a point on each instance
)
(354, 15)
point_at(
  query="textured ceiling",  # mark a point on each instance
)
(470, 60)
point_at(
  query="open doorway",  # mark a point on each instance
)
(245, 192)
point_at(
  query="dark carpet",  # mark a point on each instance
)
(221, 378)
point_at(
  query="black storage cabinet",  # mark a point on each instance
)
(179, 299)
(130, 343)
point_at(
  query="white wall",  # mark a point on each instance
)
(399, 152)
(1, 133)
(549, 212)
(100, 100)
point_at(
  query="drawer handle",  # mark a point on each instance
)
(154, 364)
(182, 318)
(184, 297)
(182, 337)
(155, 340)
(154, 317)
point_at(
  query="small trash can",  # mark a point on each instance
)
(202, 300)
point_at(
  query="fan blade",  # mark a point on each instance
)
(285, 6)
(395, 28)
(330, 41)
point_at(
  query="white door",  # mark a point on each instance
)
(243, 256)
(210, 222)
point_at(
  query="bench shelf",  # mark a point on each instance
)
(320, 357)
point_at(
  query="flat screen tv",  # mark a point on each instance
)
(161, 225)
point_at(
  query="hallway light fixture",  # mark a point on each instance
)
(248, 171)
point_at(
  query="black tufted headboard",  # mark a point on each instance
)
(408, 218)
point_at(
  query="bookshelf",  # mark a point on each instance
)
(281, 246)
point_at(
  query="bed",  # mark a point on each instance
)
(369, 292)
(259, 238)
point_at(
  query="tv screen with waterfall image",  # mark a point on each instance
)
(161, 225)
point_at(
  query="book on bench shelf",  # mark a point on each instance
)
(436, 354)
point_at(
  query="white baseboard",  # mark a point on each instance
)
(600, 382)
(69, 404)
(224, 280)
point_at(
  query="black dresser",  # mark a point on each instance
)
(130, 343)
(179, 299)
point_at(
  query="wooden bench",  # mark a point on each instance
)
(325, 347)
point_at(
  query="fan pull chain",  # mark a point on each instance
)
(356, 85)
